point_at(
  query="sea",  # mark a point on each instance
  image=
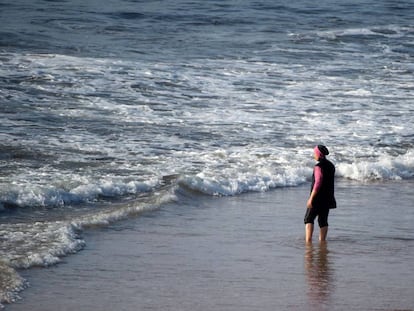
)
(111, 109)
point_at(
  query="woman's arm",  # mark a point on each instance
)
(317, 171)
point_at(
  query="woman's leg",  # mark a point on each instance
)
(308, 232)
(323, 232)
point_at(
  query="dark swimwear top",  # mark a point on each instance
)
(325, 198)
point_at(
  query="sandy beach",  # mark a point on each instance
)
(241, 253)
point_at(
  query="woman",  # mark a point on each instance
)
(322, 197)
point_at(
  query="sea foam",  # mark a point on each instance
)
(11, 283)
(385, 167)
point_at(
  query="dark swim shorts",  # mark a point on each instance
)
(322, 214)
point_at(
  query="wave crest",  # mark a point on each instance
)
(237, 183)
(386, 167)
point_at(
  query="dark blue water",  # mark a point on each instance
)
(166, 30)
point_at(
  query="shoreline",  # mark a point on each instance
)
(241, 253)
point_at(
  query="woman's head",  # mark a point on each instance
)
(320, 151)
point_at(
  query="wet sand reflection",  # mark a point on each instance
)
(319, 275)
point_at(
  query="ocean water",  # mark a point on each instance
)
(109, 110)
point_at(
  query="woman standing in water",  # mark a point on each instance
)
(321, 198)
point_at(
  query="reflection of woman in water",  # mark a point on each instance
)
(322, 196)
(319, 275)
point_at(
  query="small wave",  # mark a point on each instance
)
(386, 31)
(43, 243)
(28, 195)
(359, 93)
(11, 283)
(228, 186)
(24, 245)
(127, 15)
(240, 179)
(386, 167)
(125, 210)
(38, 244)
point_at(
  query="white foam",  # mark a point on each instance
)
(11, 283)
(240, 183)
(239, 171)
(84, 190)
(202, 104)
(385, 167)
(24, 245)
(359, 92)
(386, 31)
(255, 171)
(40, 243)
(112, 188)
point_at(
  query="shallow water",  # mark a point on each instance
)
(242, 253)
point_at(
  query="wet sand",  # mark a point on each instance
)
(242, 253)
